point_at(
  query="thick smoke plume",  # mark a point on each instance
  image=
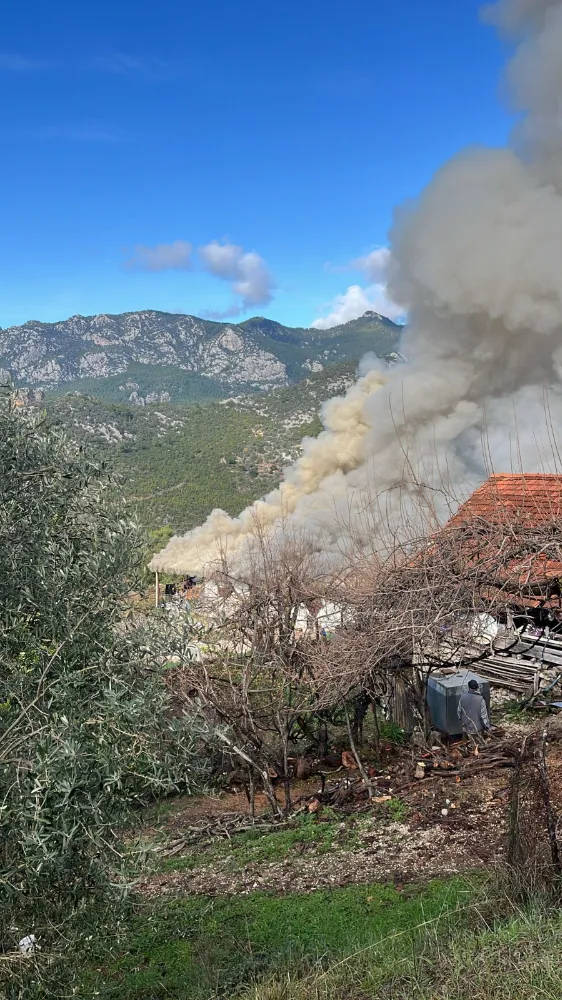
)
(477, 262)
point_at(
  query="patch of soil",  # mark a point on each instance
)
(453, 825)
(429, 845)
(399, 852)
(187, 810)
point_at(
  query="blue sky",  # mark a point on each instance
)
(225, 158)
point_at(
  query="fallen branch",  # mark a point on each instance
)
(222, 827)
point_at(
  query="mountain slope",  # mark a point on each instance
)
(179, 462)
(182, 356)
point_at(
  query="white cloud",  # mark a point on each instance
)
(374, 265)
(359, 299)
(355, 302)
(248, 273)
(163, 257)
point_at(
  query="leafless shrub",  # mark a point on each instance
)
(533, 857)
(413, 603)
(409, 606)
(257, 679)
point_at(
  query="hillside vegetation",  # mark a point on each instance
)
(179, 462)
(146, 380)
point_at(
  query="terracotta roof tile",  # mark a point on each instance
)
(524, 499)
(531, 498)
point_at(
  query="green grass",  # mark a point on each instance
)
(319, 834)
(397, 811)
(513, 959)
(254, 846)
(389, 732)
(459, 939)
(199, 947)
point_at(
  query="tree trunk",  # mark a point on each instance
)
(402, 710)
(360, 709)
(322, 737)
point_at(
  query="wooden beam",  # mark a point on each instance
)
(157, 595)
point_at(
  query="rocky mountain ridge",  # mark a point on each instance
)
(205, 358)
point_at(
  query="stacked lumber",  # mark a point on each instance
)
(546, 648)
(530, 663)
(513, 673)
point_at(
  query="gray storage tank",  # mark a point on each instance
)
(443, 696)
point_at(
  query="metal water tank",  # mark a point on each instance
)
(443, 696)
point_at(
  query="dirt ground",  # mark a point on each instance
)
(428, 846)
(448, 825)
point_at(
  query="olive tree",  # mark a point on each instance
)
(86, 729)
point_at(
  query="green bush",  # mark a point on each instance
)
(391, 732)
(85, 727)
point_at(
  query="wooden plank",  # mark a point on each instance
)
(549, 640)
(546, 655)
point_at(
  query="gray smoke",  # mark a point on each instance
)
(477, 262)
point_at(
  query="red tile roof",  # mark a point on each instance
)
(530, 498)
(527, 500)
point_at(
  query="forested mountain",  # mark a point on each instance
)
(177, 462)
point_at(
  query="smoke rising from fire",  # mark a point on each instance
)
(477, 262)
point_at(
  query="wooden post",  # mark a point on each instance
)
(551, 820)
(157, 596)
